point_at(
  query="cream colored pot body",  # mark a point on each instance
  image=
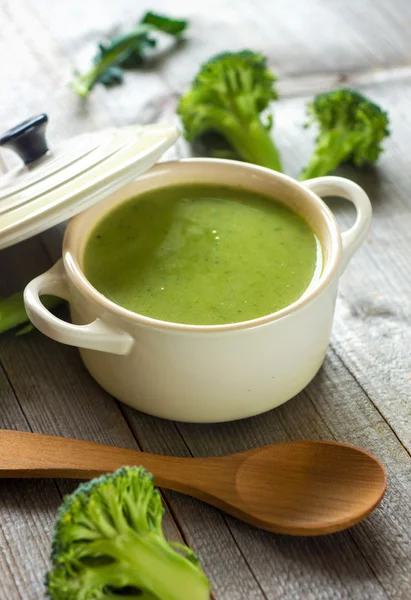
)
(207, 373)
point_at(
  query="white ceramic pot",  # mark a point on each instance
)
(204, 373)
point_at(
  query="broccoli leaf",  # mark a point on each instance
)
(126, 51)
(173, 27)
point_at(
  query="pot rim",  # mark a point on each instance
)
(74, 271)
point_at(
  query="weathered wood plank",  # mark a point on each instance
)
(27, 512)
(26, 518)
(384, 538)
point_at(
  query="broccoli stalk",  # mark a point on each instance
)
(227, 97)
(126, 51)
(108, 543)
(13, 313)
(351, 129)
(104, 69)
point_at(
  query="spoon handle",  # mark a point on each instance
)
(25, 454)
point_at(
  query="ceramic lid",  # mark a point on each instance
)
(54, 185)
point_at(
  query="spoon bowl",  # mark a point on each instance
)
(310, 487)
(294, 488)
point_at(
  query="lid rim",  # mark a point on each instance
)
(132, 151)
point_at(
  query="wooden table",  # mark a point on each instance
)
(362, 394)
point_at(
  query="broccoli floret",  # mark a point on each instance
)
(351, 129)
(126, 51)
(227, 96)
(108, 543)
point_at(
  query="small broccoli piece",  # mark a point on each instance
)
(13, 314)
(351, 129)
(126, 51)
(227, 96)
(108, 543)
(173, 27)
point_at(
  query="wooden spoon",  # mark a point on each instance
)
(296, 488)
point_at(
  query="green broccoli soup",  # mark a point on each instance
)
(202, 255)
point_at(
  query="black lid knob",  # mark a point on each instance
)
(27, 139)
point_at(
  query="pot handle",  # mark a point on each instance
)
(344, 188)
(97, 335)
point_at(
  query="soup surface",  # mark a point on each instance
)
(202, 255)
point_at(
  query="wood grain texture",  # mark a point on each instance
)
(361, 395)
